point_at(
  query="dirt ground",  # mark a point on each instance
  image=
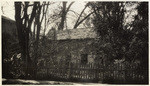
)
(35, 82)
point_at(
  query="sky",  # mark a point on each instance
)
(8, 10)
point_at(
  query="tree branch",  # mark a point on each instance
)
(74, 12)
(69, 7)
(44, 11)
(80, 16)
(82, 20)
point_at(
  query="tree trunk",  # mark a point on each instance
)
(63, 17)
(23, 29)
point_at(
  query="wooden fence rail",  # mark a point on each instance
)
(116, 73)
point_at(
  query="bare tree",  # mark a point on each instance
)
(79, 20)
(24, 22)
(64, 14)
(23, 25)
(39, 20)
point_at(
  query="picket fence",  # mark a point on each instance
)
(123, 73)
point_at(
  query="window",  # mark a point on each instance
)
(84, 59)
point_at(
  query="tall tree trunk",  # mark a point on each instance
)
(23, 29)
(37, 22)
(23, 35)
(64, 14)
(63, 17)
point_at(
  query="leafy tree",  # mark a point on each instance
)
(108, 21)
(116, 41)
(139, 43)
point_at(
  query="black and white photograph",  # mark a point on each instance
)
(74, 42)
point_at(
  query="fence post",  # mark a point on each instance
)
(35, 72)
(70, 71)
(96, 72)
(125, 72)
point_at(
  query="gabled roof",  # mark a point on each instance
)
(8, 19)
(79, 33)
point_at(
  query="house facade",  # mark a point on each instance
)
(72, 45)
(10, 45)
(9, 36)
